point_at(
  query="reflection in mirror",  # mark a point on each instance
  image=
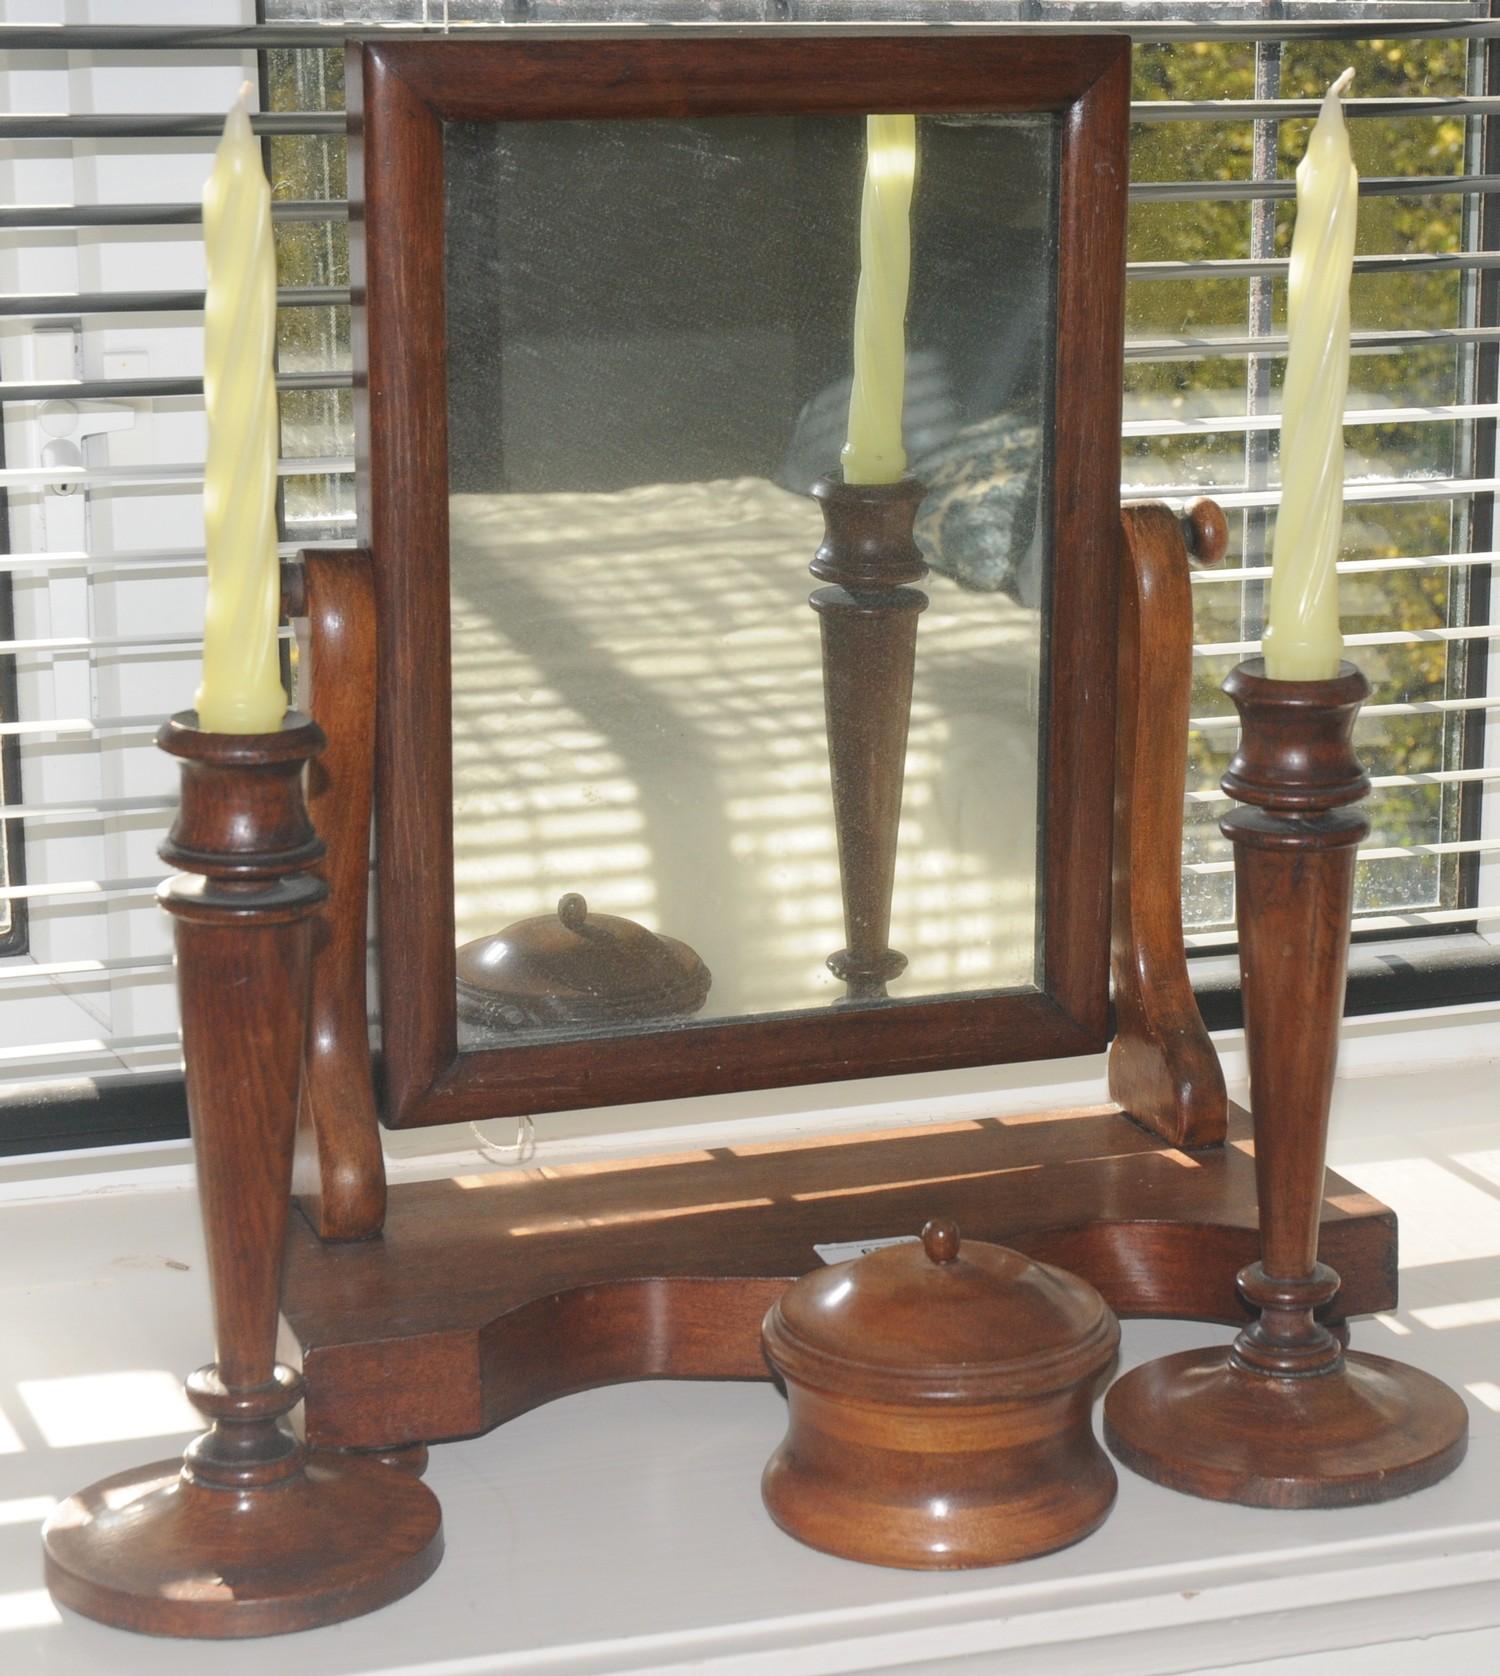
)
(649, 345)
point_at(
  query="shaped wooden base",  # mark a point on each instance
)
(492, 1293)
(1367, 1430)
(156, 1551)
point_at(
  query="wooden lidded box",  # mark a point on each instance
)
(939, 1406)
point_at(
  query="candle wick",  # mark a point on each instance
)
(1342, 83)
(247, 91)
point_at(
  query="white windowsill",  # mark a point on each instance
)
(621, 1530)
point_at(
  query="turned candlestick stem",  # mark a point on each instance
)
(868, 618)
(1287, 1417)
(243, 925)
(1295, 837)
(249, 1534)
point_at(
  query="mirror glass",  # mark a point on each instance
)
(649, 357)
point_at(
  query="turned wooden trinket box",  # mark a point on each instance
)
(940, 1402)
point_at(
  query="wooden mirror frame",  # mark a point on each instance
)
(400, 94)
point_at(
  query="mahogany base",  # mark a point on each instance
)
(150, 1550)
(1369, 1430)
(492, 1293)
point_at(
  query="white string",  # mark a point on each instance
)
(521, 1151)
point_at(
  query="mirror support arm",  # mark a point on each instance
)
(1162, 1066)
(339, 1175)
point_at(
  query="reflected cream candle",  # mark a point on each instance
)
(874, 451)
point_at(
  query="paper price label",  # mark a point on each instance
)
(860, 1248)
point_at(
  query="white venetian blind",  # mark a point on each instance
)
(1220, 121)
(105, 134)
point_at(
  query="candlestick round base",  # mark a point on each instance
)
(1368, 1430)
(152, 1551)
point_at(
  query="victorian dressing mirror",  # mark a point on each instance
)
(608, 359)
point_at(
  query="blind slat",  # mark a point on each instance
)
(147, 559)
(1380, 920)
(111, 888)
(54, 216)
(139, 964)
(103, 727)
(1240, 424)
(1356, 493)
(1230, 344)
(41, 305)
(1287, 110)
(1388, 852)
(186, 472)
(1260, 191)
(1443, 21)
(89, 1047)
(1415, 707)
(114, 389)
(99, 643)
(105, 389)
(1377, 637)
(110, 642)
(137, 214)
(50, 304)
(123, 125)
(1275, 267)
(100, 809)
(1381, 782)
(1353, 567)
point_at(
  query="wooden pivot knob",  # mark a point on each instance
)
(1205, 529)
(940, 1239)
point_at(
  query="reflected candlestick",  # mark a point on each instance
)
(868, 617)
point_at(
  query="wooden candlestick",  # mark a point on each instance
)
(249, 1534)
(869, 627)
(1287, 1417)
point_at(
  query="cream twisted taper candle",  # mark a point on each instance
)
(241, 690)
(1302, 640)
(873, 453)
